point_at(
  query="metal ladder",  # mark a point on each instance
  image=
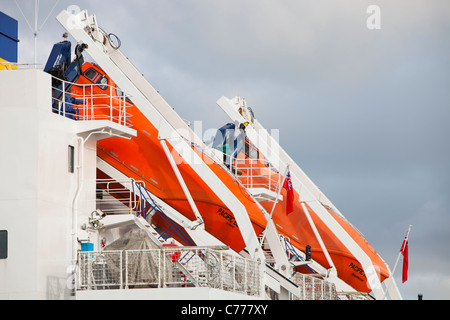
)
(146, 205)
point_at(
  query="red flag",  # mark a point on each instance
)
(404, 252)
(290, 193)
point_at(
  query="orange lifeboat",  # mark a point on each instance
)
(295, 227)
(143, 159)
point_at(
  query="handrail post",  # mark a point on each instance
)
(84, 104)
(63, 98)
(92, 103)
(163, 278)
(233, 263)
(221, 270)
(126, 269)
(250, 174)
(89, 276)
(130, 206)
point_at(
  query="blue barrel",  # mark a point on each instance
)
(87, 246)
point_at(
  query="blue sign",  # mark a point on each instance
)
(8, 38)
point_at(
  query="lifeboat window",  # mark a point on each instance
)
(253, 153)
(250, 150)
(96, 77)
(91, 75)
(121, 94)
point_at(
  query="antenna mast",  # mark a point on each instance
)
(36, 10)
(36, 30)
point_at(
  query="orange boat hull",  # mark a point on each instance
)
(142, 158)
(296, 227)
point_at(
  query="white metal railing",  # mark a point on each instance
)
(91, 102)
(169, 267)
(124, 196)
(259, 173)
(116, 196)
(256, 174)
(314, 288)
(354, 296)
(252, 173)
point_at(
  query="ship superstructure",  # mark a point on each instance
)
(124, 200)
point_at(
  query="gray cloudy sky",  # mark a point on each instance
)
(365, 113)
